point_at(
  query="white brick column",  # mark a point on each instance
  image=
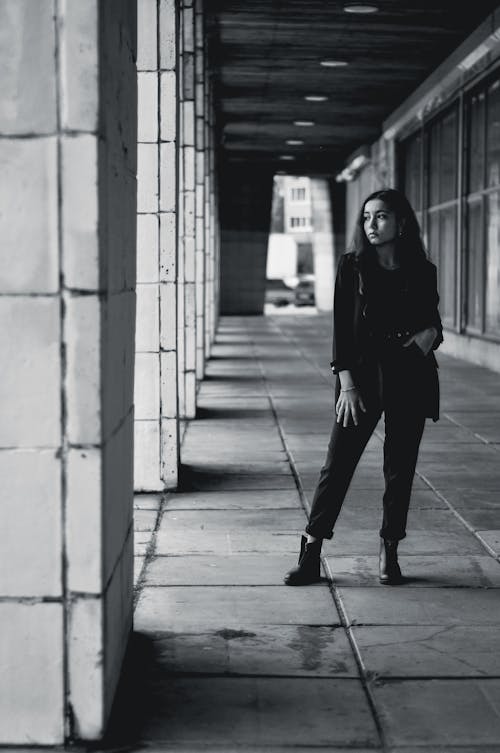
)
(156, 425)
(201, 249)
(188, 198)
(68, 157)
(323, 244)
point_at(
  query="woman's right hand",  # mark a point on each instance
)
(349, 405)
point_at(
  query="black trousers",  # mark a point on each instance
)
(403, 432)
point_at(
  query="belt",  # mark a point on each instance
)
(393, 336)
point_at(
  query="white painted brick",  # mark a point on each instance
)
(118, 366)
(168, 315)
(83, 520)
(28, 218)
(190, 325)
(79, 65)
(190, 410)
(189, 259)
(31, 658)
(169, 384)
(27, 83)
(189, 171)
(80, 212)
(168, 187)
(168, 101)
(147, 386)
(189, 127)
(200, 236)
(118, 483)
(168, 246)
(148, 240)
(30, 386)
(188, 40)
(147, 456)
(86, 667)
(147, 178)
(147, 107)
(83, 372)
(148, 319)
(30, 523)
(147, 45)
(167, 34)
(169, 452)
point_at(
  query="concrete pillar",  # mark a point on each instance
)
(200, 172)
(323, 249)
(187, 318)
(245, 214)
(156, 425)
(68, 159)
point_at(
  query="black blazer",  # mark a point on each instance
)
(353, 343)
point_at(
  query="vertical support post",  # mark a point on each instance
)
(156, 426)
(200, 160)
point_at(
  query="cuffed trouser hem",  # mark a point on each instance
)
(318, 535)
(391, 537)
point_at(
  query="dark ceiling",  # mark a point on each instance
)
(265, 56)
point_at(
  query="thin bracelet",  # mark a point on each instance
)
(348, 389)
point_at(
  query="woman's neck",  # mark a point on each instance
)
(387, 257)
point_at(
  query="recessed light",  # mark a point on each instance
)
(315, 97)
(360, 8)
(334, 63)
(286, 157)
(303, 122)
(294, 142)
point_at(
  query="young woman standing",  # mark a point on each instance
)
(386, 327)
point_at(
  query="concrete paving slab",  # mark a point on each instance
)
(209, 607)
(357, 517)
(421, 499)
(473, 499)
(423, 651)
(215, 570)
(260, 711)
(272, 521)
(440, 712)
(296, 650)
(262, 499)
(481, 520)
(142, 540)
(234, 465)
(491, 539)
(147, 501)
(459, 571)
(237, 481)
(366, 542)
(401, 605)
(145, 520)
(227, 542)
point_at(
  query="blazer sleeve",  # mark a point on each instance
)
(343, 356)
(432, 302)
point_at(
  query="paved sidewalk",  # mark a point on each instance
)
(230, 658)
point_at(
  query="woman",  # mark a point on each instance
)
(386, 326)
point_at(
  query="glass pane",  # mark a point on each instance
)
(474, 254)
(412, 170)
(433, 236)
(493, 138)
(493, 265)
(447, 265)
(476, 142)
(434, 167)
(449, 159)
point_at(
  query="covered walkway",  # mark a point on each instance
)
(231, 659)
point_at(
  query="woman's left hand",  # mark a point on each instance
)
(424, 339)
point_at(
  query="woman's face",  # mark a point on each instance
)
(379, 223)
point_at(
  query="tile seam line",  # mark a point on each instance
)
(335, 596)
(149, 555)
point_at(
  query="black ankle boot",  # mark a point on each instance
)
(389, 570)
(307, 571)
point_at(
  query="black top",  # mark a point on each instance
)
(386, 309)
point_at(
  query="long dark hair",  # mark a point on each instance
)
(409, 245)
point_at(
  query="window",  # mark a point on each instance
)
(442, 171)
(298, 194)
(299, 222)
